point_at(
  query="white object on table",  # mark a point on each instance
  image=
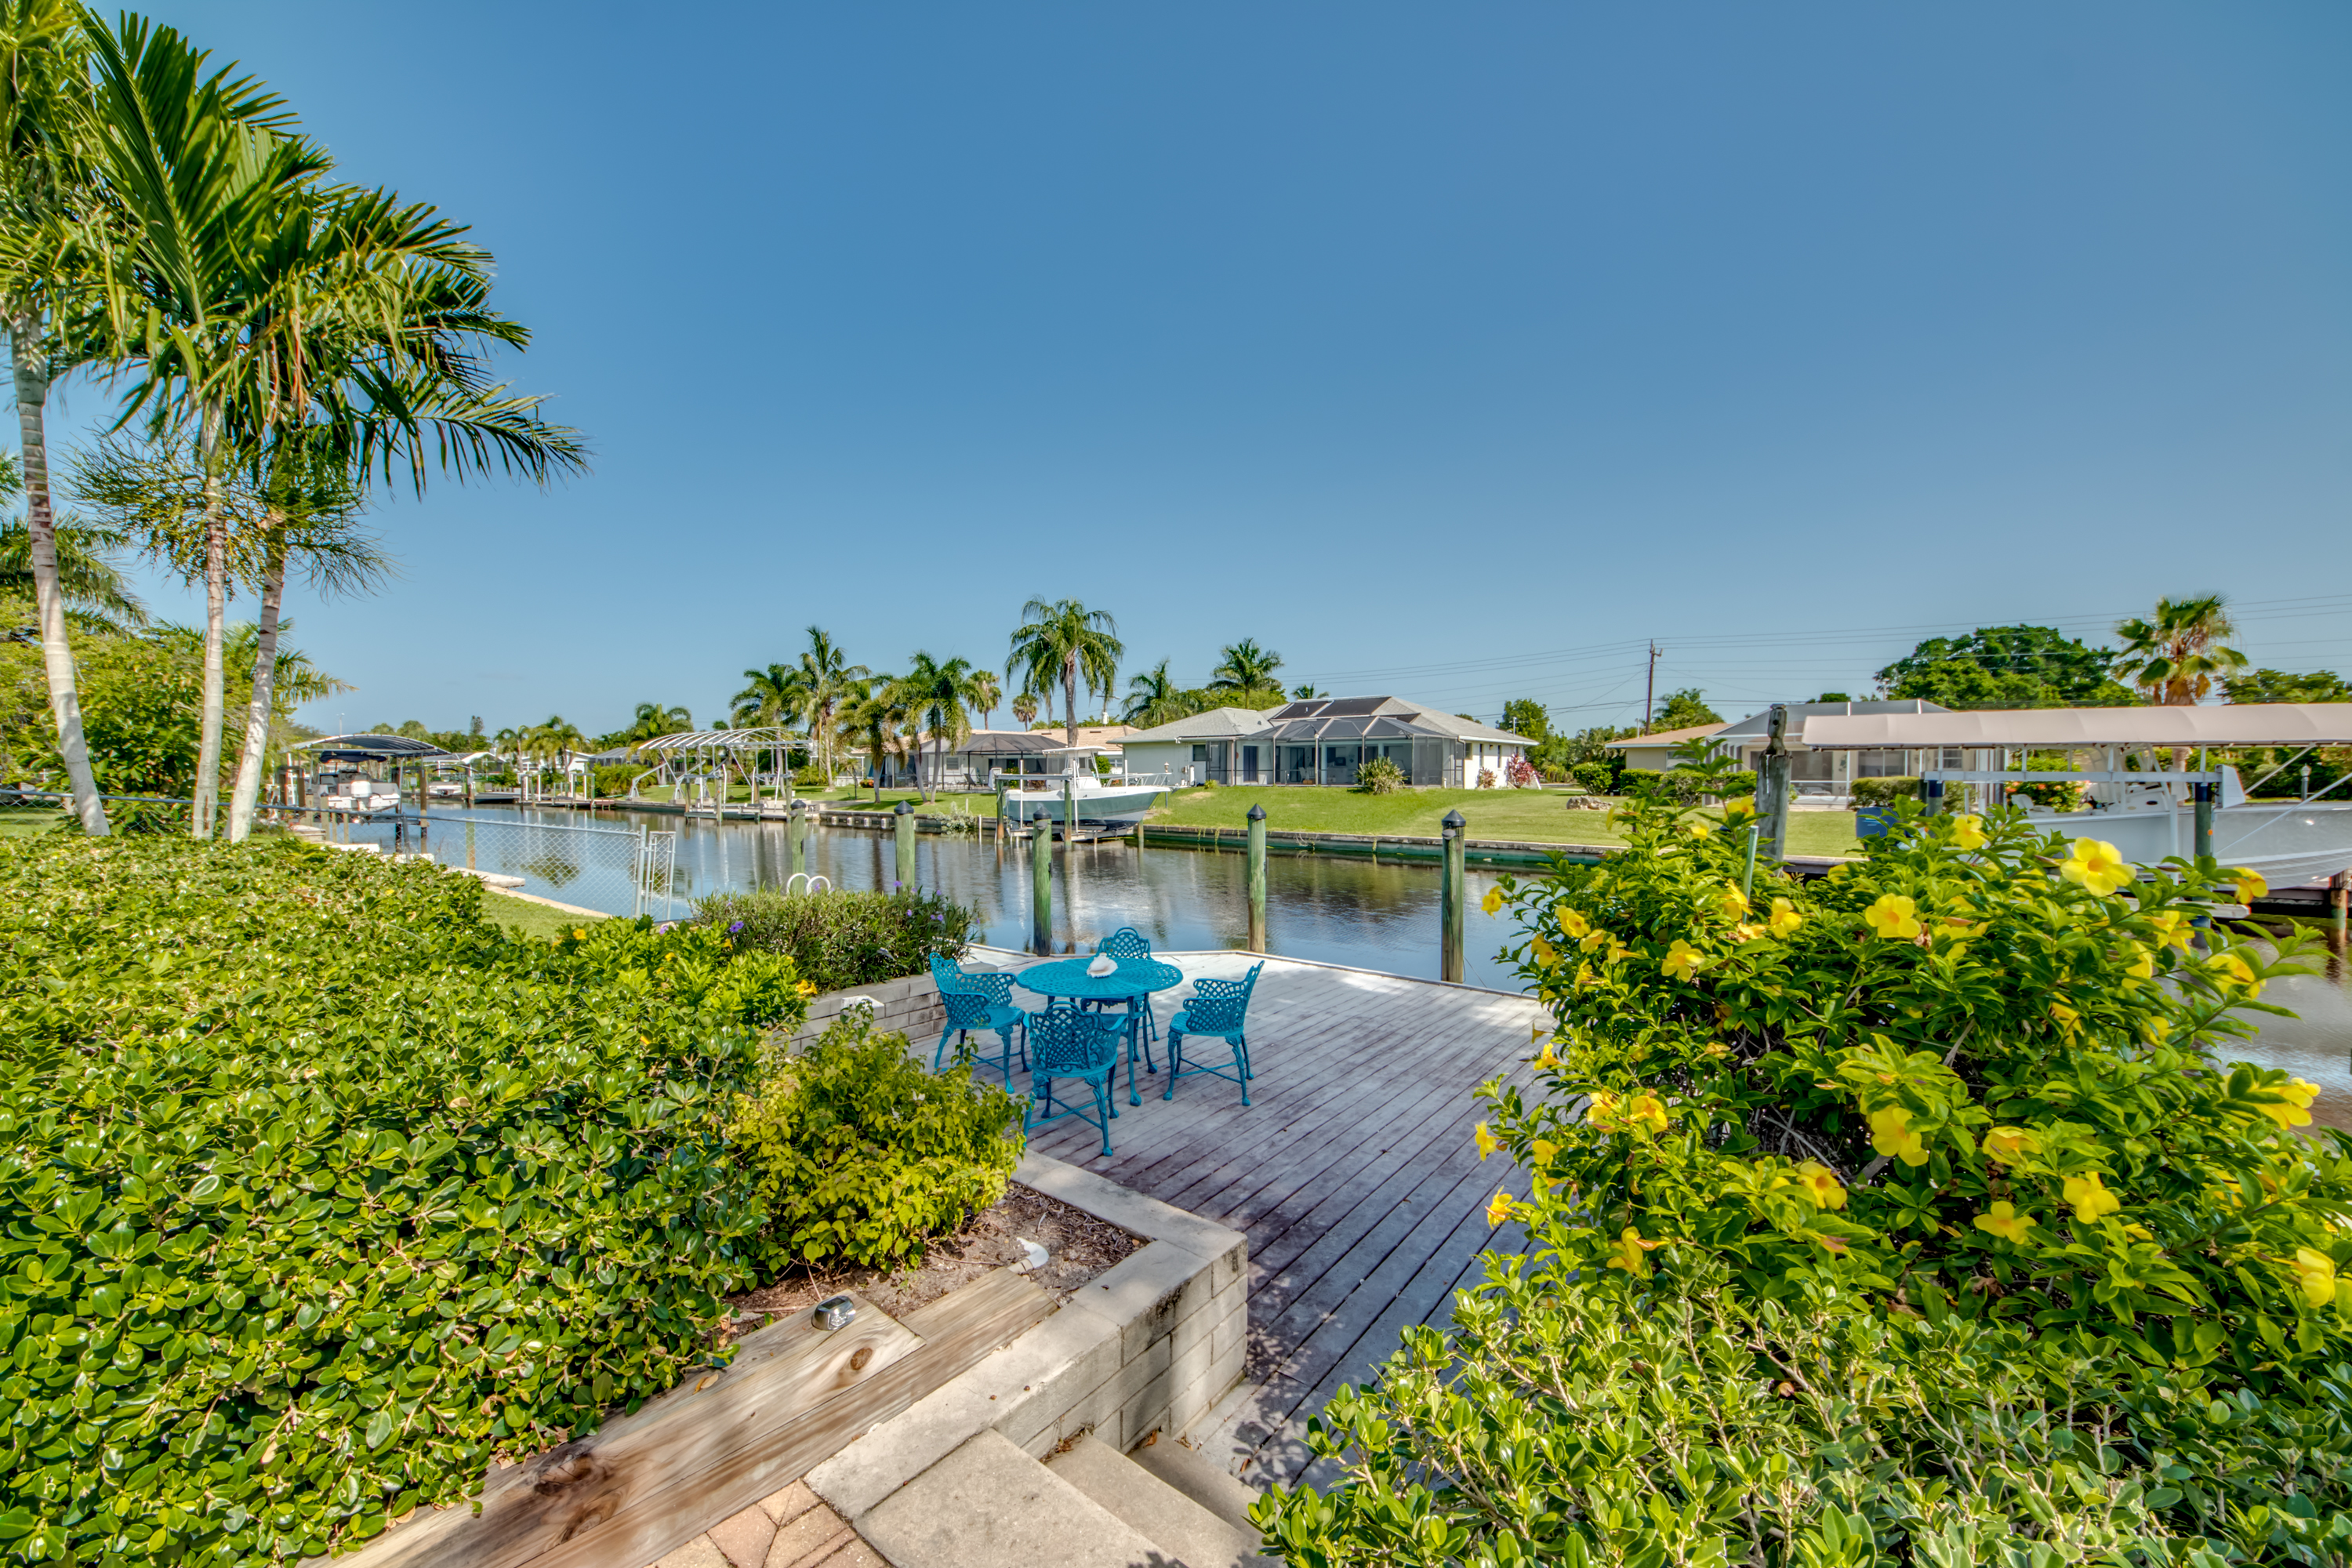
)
(1103, 964)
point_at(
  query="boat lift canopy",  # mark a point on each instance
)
(370, 749)
(2056, 729)
(760, 740)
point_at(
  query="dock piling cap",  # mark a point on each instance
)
(903, 807)
(1454, 822)
(1257, 813)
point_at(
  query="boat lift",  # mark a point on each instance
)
(704, 757)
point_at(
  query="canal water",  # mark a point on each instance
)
(1351, 912)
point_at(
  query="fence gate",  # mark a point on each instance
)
(656, 870)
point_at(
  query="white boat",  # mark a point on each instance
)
(2150, 815)
(1096, 799)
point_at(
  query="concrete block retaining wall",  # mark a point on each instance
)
(1149, 1345)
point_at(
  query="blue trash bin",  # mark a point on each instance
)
(1874, 821)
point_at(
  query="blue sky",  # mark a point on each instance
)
(1450, 351)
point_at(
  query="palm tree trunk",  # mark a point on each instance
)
(208, 743)
(1070, 700)
(31, 367)
(258, 711)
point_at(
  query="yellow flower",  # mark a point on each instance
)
(1891, 1132)
(1738, 810)
(1544, 1149)
(578, 934)
(2089, 1195)
(1745, 931)
(1894, 917)
(2068, 1019)
(2229, 969)
(2003, 1220)
(1546, 954)
(1603, 1111)
(2292, 1109)
(1645, 1113)
(1785, 917)
(1732, 902)
(2252, 885)
(1493, 902)
(1572, 924)
(1629, 1252)
(1682, 961)
(1820, 1184)
(1593, 939)
(2010, 1145)
(807, 989)
(1967, 833)
(1499, 1210)
(1697, 829)
(1488, 1142)
(1545, 1059)
(2141, 967)
(2315, 1273)
(2096, 864)
(2173, 928)
(1585, 976)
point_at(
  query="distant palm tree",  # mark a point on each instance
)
(875, 710)
(1065, 642)
(652, 721)
(1246, 668)
(88, 578)
(937, 690)
(1305, 691)
(2174, 658)
(830, 681)
(1024, 710)
(984, 694)
(1147, 690)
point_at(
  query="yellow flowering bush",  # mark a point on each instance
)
(1968, 1099)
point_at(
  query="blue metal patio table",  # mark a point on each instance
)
(1068, 977)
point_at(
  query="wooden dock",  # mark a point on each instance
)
(1353, 1171)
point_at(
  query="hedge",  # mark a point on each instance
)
(316, 1189)
(840, 939)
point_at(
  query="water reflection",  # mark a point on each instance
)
(2317, 1043)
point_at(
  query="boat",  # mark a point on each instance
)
(1096, 799)
(2149, 814)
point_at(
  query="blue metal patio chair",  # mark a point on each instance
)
(1066, 1041)
(1128, 945)
(970, 1010)
(1218, 1007)
(994, 985)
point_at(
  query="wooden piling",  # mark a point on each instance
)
(1256, 878)
(906, 829)
(1454, 887)
(1041, 884)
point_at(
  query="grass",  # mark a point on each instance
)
(1540, 817)
(520, 917)
(29, 821)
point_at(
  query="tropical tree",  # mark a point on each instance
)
(830, 680)
(1062, 641)
(51, 234)
(1147, 690)
(85, 574)
(2007, 667)
(984, 694)
(2277, 686)
(652, 721)
(936, 691)
(1525, 716)
(2175, 656)
(1245, 666)
(1683, 709)
(1305, 691)
(1025, 708)
(874, 712)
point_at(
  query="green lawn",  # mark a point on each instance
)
(522, 918)
(1538, 817)
(25, 821)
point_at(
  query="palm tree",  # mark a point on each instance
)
(1024, 710)
(874, 709)
(1305, 691)
(2176, 657)
(984, 694)
(938, 690)
(1147, 690)
(1246, 668)
(48, 273)
(831, 681)
(652, 721)
(82, 574)
(1063, 641)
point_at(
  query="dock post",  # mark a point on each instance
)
(906, 826)
(1041, 883)
(1772, 785)
(1256, 878)
(1069, 817)
(2339, 898)
(1450, 898)
(469, 844)
(796, 837)
(2201, 845)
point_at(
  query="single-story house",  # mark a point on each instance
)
(1829, 773)
(1324, 740)
(982, 753)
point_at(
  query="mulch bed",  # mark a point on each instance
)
(1077, 1246)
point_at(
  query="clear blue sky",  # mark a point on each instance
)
(1451, 351)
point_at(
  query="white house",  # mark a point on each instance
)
(1813, 773)
(1324, 740)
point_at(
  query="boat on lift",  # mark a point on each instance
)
(2149, 813)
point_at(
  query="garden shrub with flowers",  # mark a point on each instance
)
(842, 938)
(1912, 1214)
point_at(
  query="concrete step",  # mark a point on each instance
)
(1188, 1532)
(989, 1505)
(1202, 1478)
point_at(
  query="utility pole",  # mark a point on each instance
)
(1650, 690)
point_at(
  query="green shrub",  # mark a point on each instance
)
(837, 940)
(613, 782)
(1598, 778)
(316, 1189)
(1884, 792)
(862, 1155)
(1379, 776)
(1924, 1164)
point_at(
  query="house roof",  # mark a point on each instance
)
(1216, 724)
(1037, 743)
(2226, 724)
(1331, 719)
(1663, 738)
